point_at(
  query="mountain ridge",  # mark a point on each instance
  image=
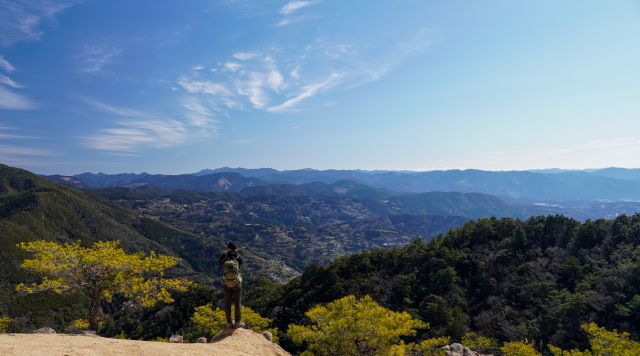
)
(611, 184)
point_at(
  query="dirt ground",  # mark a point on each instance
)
(240, 342)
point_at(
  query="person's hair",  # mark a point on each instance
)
(231, 246)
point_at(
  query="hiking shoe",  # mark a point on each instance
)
(239, 324)
(229, 326)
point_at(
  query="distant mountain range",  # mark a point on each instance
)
(607, 185)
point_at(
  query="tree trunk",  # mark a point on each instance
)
(95, 313)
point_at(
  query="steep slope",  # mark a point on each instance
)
(32, 208)
(537, 279)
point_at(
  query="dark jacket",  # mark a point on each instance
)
(230, 255)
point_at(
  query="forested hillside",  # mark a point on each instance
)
(301, 224)
(32, 208)
(508, 279)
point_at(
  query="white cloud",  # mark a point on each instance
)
(5, 65)
(14, 153)
(244, 56)
(294, 6)
(20, 20)
(12, 101)
(275, 80)
(271, 79)
(131, 135)
(295, 72)
(4, 80)
(290, 21)
(135, 129)
(94, 58)
(24, 151)
(11, 135)
(307, 92)
(252, 89)
(232, 66)
(203, 87)
(118, 111)
(198, 114)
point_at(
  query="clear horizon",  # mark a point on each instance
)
(346, 169)
(124, 86)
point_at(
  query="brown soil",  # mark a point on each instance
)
(240, 342)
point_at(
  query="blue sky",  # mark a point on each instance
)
(174, 87)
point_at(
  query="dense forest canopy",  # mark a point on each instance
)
(538, 279)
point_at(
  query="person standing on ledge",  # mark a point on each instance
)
(232, 283)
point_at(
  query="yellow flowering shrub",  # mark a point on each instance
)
(350, 326)
(212, 321)
(100, 271)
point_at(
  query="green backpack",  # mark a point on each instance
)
(231, 274)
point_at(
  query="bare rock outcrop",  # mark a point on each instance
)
(45, 330)
(457, 349)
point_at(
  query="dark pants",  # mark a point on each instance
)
(233, 296)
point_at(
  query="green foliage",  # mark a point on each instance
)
(4, 324)
(503, 278)
(518, 348)
(603, 342)
(100, 272)
(351, 326)
(32, 209)
(479, 343)
(432, 346)
(211, 321)
(77, 325)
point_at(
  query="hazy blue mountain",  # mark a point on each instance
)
(612, 184)
(216, 182)
(247, 172)
(345, 188)
(618, 173)
(608, 184)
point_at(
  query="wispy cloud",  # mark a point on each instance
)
(198, 114)
(5, 65)
(14, 152)
(9, 99)
(306, 92)
(203, 87)
(21, 20)
(232, 66)
(294, 6)
(277, 81)
(115, 110)
(244, 56)
(289, 10)
(94, 58)
(131, 135)
(12, 101)
(10, 133)
(133, 130)
(4, 80)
